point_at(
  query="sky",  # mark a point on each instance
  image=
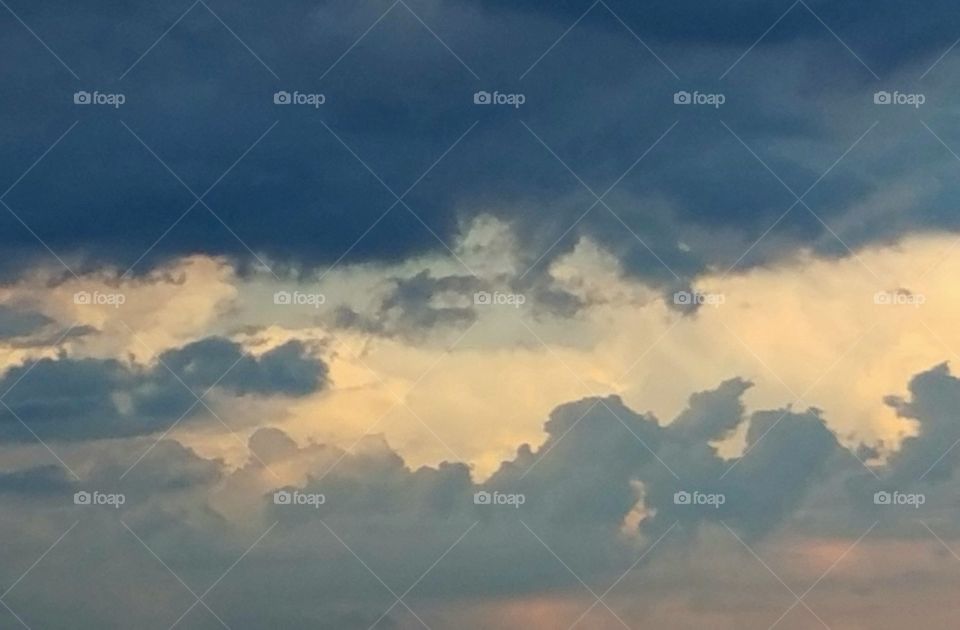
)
(479, 314)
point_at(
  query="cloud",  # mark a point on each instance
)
(739, 24)
(285, 369)
(22, 328)
(415, 306)
(699, 185)
(65, 398)
(19, 323)
(600, 463)
(712, 415)
(595, 199)
(930, 454)
(33, 482)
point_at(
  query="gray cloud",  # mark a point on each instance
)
(416, 305)
(66, 399)
(935, 395)
(26, 328)
(600, 463)
(20, 323)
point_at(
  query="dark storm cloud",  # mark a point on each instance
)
(67, 399)
(400, 100)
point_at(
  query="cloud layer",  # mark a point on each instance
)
(80, 399)
(447, 313)
(599, 500)
(200, 160)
